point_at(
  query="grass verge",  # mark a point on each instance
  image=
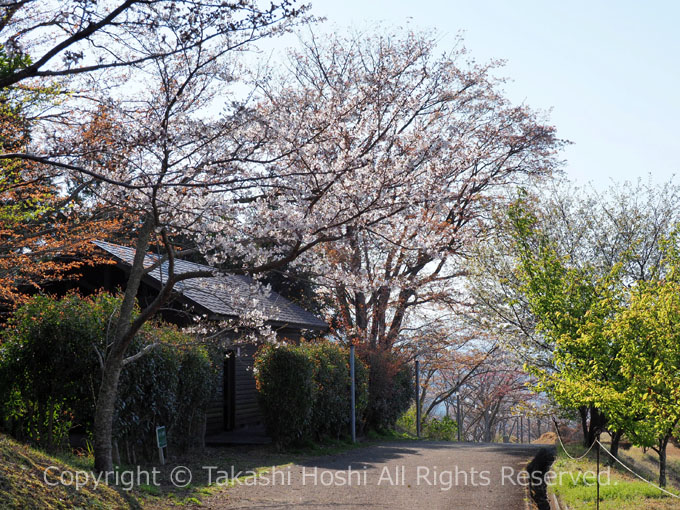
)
(576, 489)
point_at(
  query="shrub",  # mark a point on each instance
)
(146, 399)
(170, 386)
(50, 375)
(284, 377)
(48, 366)
(442, 429)
(390, 388)
(432, 427)
(304, 391)
(331, 410)
(197, 377)
(407, 421)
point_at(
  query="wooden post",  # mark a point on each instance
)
(417, 398)
(353, 391)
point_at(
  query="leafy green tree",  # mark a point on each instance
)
(616, 349)
(648, 332)
(565, 301)
(590, 230)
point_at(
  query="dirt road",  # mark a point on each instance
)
(404, 475)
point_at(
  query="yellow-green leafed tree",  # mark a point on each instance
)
(648, 332)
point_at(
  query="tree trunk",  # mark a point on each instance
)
(592, 426)
(113, 363)
(616, 439)
(116, 454)
(103, 417)
(583, 413)
(663, 443)
(50, 425)
(595, 426)
(40, 427)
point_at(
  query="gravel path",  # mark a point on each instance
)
(404, 475)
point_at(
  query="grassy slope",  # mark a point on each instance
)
(624, 492)
(22, 485)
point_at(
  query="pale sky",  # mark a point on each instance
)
(609, 71)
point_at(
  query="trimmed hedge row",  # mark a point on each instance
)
(50, 375)
(304, 391)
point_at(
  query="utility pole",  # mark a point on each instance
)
(353, 390)
(418, 399)
(597, 480)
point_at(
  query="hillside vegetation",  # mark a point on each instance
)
(23, 487)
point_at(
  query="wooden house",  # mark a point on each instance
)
(216, 298)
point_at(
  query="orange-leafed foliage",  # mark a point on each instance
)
(44, 236)
(46, 226)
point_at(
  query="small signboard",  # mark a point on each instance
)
(161, 438)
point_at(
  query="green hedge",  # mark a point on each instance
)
(284, 377)
(331, 411)
(170, 386)
(50, 375)
(304, 391)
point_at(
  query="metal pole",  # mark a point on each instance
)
(417, 398)
(353, 390)
(460, 425)
(597, 481)
(521, 429)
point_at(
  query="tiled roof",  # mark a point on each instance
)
(224, 295)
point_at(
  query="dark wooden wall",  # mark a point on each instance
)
(243, 397)
(246, 412)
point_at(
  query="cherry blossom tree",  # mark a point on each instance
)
(67, 38)
(134, 131)
(429, 140)
(449, 364)
(496, 392)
